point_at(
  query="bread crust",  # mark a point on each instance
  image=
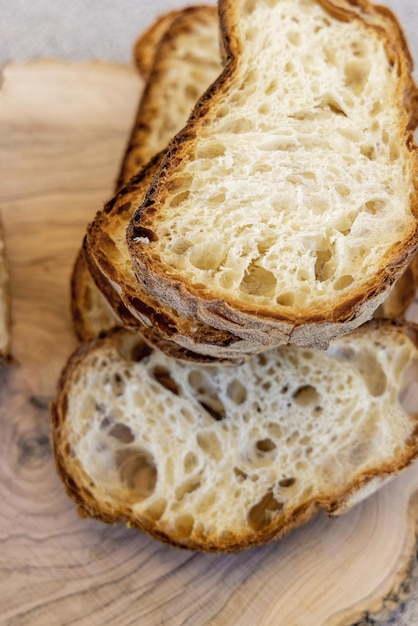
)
(80, 488)
(313, 327)
(146, 44)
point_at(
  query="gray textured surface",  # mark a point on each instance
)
(106, 29)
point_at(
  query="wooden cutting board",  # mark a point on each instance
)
(63, 129)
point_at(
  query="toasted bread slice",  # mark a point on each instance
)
(219, 459)
(287, 207)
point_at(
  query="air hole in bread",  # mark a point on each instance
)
(343, 190)
(118, 384)
(190, 462)
(322, 265)
(271, 87)
(265, 446)
(372, 373)
(369, 152)
(294, 37)
(156, 510)
(179, 198)
(258, 281)
(240, 475)
(209, 443)
(210, 150)
(394, 152)
(264, 109)
(163, 376)
(140, 351)
(408, 392)
(122, 433)
(188, 486)
(180, 246)
(137, 471)
(184, 525)
(287, 482)
(356, 75)
(262, 359)
(236, 391)
(305, 396)
(263, 513)
(240, 126)
(214, 407)
(343, 282)
(249, 6)
(292, 438)
(275, 430)
(206, 256)
(180, 183)
(286, 299)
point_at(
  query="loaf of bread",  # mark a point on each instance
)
(287, 207)
(222, 459)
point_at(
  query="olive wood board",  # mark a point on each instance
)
(63, 130)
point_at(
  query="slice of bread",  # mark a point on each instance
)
(287, 207)
(219, 459)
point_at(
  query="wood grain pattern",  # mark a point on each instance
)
(62, 132)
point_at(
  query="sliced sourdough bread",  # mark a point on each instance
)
(222, 459)
(287, 207)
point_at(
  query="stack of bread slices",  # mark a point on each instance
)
(241, 301)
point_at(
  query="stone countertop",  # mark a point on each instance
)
(106, 29)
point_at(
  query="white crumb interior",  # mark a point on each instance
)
(300, 183)
(173, 442)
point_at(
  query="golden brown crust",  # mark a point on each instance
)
(146, 44)
(259, 324)
(80, 488)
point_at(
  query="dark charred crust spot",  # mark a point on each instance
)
(109, 205)
(124, 208)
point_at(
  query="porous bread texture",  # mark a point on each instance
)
(221, 459)
(288, 204)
